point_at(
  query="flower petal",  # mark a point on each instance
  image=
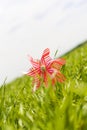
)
(34, 63)
(60, 77)
(50, 71)
(60, 61)
(33, 72)
(46, 53)
(36, 83)
(45, 80)
(56, 66)
(46, 59)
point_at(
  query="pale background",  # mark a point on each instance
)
(29, 26)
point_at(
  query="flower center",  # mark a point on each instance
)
(43, 68)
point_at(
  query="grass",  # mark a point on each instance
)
(63, 107)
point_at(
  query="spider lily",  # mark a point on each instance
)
(46, 68)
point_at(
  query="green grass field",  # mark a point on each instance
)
(59, 107)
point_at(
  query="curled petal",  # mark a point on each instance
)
(50, 71)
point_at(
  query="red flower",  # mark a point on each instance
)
(45, 69)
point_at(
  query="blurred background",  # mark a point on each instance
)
(30, 26)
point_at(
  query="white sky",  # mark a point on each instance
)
(29, 26)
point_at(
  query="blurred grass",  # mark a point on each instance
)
(63, 107)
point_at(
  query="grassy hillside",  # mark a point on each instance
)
(63, 107)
